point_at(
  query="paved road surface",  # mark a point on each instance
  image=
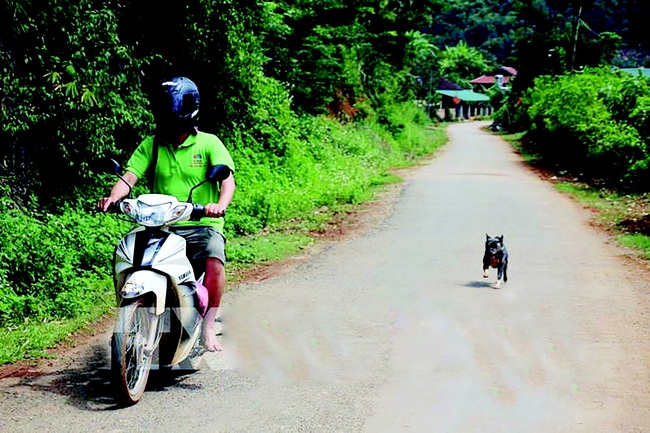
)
(397, 331)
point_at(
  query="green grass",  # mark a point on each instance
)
(245, 252)
(515, 141)
(34, 340)
(612, 208)
(637, 242)
(288, 238)
(386, 179)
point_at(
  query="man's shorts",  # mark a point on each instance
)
(202, 243)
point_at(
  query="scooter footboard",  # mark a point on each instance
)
(141, 282)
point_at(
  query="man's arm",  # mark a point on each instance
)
(119, 191)
(225, 197)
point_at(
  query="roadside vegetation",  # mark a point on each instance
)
(623, 215)
(594, 124)
(56, 266)
(582, 115)
(317, 101)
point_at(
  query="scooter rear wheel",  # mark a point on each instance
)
(131, 358)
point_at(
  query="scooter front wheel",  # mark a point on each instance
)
(131, 351)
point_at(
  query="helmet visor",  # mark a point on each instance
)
(166, 107)
(183, 105)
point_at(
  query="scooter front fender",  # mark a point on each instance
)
(141, 282)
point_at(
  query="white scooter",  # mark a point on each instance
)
(161, 303)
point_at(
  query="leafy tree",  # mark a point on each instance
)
(627, 18)
(543, 41)
(462, 63)
(81, 91)
(486, 25)
(347, 52)
(67, 97)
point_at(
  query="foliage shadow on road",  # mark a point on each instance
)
(89, 387)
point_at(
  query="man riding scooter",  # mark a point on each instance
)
(175, 159)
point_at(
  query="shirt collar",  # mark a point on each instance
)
(190, 140)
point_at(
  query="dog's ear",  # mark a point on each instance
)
(487, 237)
(500, 238)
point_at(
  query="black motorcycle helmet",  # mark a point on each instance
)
(176, 107)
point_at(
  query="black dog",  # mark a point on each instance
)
(496, 256)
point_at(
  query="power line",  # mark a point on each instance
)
(582, 22)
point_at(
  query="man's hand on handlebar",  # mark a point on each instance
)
(215, 210)
(121, 189)
(105, 204)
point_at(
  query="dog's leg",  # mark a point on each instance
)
(500, 270)
(486, 265)
(505, 271)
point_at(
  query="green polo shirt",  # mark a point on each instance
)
(177, 171)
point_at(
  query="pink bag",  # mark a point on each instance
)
(202, 295)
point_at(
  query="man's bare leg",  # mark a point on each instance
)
(215, 282)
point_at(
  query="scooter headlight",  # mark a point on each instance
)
(155, 210)
(151, 216)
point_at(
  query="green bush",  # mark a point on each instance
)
(613, 149)
(640, 117)
(48, 265)
(326, 163)
(594, 124)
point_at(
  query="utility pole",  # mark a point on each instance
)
(575, 37)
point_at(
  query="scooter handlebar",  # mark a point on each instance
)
(198, 212)
(114, 207)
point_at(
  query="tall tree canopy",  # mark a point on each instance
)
(76, 75)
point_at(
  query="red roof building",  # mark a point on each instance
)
(489, 79)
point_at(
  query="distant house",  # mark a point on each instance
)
(458, 103)
(642, 72)
(502, 76)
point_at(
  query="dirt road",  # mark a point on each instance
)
(395, 330)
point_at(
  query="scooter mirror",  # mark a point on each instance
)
(108, 166)
(217, 173)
